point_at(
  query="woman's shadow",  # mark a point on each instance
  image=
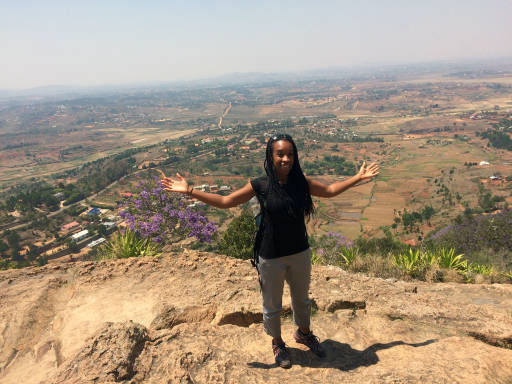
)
(339, 355)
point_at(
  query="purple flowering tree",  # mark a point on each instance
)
(480, 233)
(155, 214)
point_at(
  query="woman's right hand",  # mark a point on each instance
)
(174, 185)
(367, 172)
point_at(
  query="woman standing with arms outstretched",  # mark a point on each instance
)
(284, 254)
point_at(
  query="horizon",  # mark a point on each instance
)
(117, 44)
(228, 79)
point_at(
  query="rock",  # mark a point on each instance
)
(196, 318)
(109, 356)
(171, 316)
(345, 304)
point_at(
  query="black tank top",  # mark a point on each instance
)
(284, 233)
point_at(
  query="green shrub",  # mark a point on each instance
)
(348, 255)
(409, 261)
(417, 263)
(481, 269)
(382, 246)
(315, 258)
(42, 260)
(238, 240)
(447, 259)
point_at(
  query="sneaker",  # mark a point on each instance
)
(311, 341)
(282, 355)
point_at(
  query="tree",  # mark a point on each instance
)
(3, 247)
(33, 252)
(428, 212)
(486, 202)
(73, 246)
(102, 231)
(13, 239)
(15, 254)
(155, 214)
(238, 240)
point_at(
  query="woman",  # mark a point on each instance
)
(283, 250)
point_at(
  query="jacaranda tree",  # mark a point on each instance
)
(153, 213)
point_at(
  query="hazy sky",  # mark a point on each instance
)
(114, 42)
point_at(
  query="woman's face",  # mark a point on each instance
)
(282, 157)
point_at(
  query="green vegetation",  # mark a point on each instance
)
(388, 257)
(486, 200)
(238, 240)
(410, 220)
(98, 177)
(417, 262)
(37, 195)
(127, 244)
(330, 164)
(498, 139)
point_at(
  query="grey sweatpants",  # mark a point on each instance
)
(296, 270)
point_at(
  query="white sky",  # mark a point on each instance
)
(118, 42)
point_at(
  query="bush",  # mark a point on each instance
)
(418, 263)
(382, 246)
(42, 260)
(238, 240)
(410, 262)
(447, 259)
(472, 235)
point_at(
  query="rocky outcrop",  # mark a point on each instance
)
(108, 356)
(196, 318)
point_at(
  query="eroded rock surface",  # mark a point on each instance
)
(108, 356)
(196, 318)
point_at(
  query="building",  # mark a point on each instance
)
(109, 225)
(70, 227)
(204, 187)
(94, 212)
(94, 243)
(80, 235)
(224, 190)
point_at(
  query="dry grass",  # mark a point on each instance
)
(383, 267)
(376, 266)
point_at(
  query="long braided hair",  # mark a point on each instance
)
(299, 187)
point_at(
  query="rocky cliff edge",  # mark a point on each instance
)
(196, 318)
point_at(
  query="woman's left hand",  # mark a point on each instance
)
(367, 172)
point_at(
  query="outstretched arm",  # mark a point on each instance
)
(180, 185)
(319, 189)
